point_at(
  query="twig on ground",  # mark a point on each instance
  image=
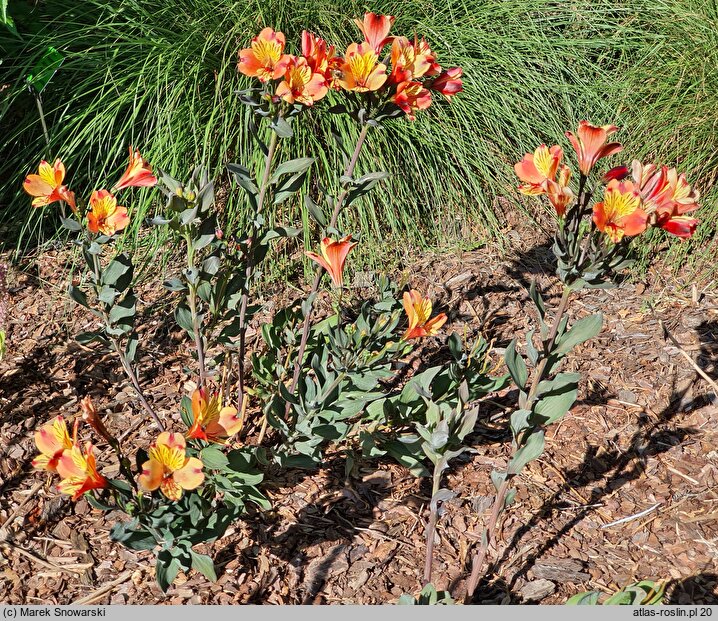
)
(103, 590)
(635, 516)
(684, 353)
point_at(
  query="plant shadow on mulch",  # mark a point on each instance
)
(618, 468)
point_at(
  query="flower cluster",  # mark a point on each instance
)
(403, 76)
(634, 200)
(104, 215)
(74, 463)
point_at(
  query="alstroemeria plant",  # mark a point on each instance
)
(596, 224)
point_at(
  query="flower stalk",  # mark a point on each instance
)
(249, 270)
(477, 564)
(348, 172)
(431, 526)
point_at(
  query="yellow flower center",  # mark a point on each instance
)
(299, 77)
(170, 458)
(361, 66)
(267, 53)
(543, 160)
(617, 205)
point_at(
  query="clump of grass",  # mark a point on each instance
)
(162, 76)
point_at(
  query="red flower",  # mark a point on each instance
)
(667, 197)
(138, 173)
(410, 97)
(448, 83)
(375, 29)
(410, 60)
(333, 256)
(300, 84)
(559, 194)
(537, 167)
(418, 310)
(106, 217)
(591, 144)
(78, 472)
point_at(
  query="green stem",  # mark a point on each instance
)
(249, 270)
(431, 526)
(38, 101)
(500, 500)
(317, 278)
(129, 371)
(196, 327)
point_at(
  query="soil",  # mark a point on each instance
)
(626, 490)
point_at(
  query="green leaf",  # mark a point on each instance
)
(77, 295)
(128, 534)
(6, 19)
(281, 127)
(528, 452)
(299, 165)
(107, 295)
(315, 211)
(204, 565)
(166, 569)
(87, 337)
(588, 598)
(288, 187)
(516, 365)
(279, 232)
(183, 317)
(114, 272)
(519, 421)
(98, 504)
(582, 330)
(558, 395)
(41, 74)
(537, 299)
(213, 458)
(174, 284)
(124, 309)
(71, 224)
(131, 348)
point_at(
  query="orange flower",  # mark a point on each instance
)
(264, 59)
(410, 97)
(46, 187)
(52, 440)
(78, 472)
(448, 83)
(535, 168)
(410, 60)
(138, 173)
(333, 257)
(106, 217)
(667, 197)
(169, 468)
(212, 422)
(300, 84)
(418, 310)
(559, 194)
(591, 144)
(620, 212)
(375, 29)
(361, 70)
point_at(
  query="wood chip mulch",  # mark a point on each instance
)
(626, 490)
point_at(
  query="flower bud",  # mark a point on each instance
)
(91, 417)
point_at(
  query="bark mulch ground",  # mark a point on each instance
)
(626, 490)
